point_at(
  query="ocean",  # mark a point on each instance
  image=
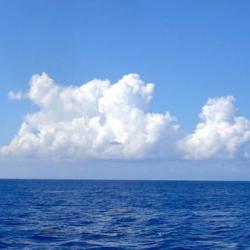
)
(94, 214)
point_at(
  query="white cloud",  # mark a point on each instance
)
(16, 95)
(220, 134)
(100, 120)
(94, 120)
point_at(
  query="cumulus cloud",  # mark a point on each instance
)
(220, 134)
(101, 120)
(95, 120)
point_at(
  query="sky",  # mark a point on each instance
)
(125, 89)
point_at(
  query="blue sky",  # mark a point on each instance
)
(190, 50)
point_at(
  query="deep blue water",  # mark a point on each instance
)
(38, 214)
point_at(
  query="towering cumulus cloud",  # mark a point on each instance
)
(100, 120)
(220, 134)
(95, 120)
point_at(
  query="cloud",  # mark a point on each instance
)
(95, 120)
(101, 120)
(16, 95)
(220, 134)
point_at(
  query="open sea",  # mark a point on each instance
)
(65, 214)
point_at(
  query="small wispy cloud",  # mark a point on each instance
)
(18, 96)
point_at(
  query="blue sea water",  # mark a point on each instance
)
(51, 214)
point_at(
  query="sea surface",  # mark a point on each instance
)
(65, 214)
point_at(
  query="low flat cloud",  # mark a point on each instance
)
(101, 120)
